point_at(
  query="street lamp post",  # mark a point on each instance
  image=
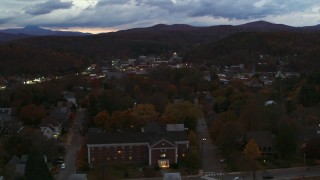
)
(304, 159)
(203, 140)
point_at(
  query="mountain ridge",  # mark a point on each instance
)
(38, 31)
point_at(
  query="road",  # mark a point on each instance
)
(210, 155)
(72, 146)
(289, 173)
(212, 168)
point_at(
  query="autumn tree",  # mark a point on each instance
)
(193, 139)
(309, 95)
(221, 104)
(143, 113)
(118, 119)
(286, 139)
(159, 100)
(251, 114)
(312, 148)
(221, 120)
(32, 114)
(181, 112)
(101, 118)
(272, 115)
(252, 152)
(82, 159)
(229, 137)
(193, 160)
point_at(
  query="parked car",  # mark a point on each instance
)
(58, 160)
(63, 166)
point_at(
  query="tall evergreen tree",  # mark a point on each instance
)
(36, 168)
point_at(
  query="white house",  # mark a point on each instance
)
(50, 128)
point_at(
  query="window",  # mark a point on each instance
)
(163, 150)
(163, 155)
(163, 163)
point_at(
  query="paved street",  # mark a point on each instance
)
(210, 154)
(72, 145)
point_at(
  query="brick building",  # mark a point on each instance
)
(160, 148)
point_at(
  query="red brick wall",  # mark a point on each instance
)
(182, 151)
(121, 154)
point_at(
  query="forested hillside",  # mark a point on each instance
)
(219, 45)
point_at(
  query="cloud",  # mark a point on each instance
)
(47, 7)
(242, 9)
(111, 13)
(111, 2)
(124, 14)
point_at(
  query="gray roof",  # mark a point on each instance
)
(96, 136)
(5, 111)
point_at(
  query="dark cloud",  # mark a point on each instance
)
(112, 2)
(159, 3)
(47, 7)
(244, 9)
(137, 13)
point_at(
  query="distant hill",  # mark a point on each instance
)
(266, 26)
(37, 31)
(223, 44)
(4, 37)
(302, 50)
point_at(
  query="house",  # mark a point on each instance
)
(70, 97)
(12, 127)
(5, 115)
(255, 83)
(264, 139)
(15, 167)
(157, 148)
(50, 127)
(62, 114)
(175, 127)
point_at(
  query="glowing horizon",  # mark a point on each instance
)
(86, 30)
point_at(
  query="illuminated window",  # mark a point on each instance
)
(162, 155)
(163, 163)
(130, 157)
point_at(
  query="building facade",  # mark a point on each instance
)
(152, 148)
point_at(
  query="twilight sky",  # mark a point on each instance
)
(110, 15)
